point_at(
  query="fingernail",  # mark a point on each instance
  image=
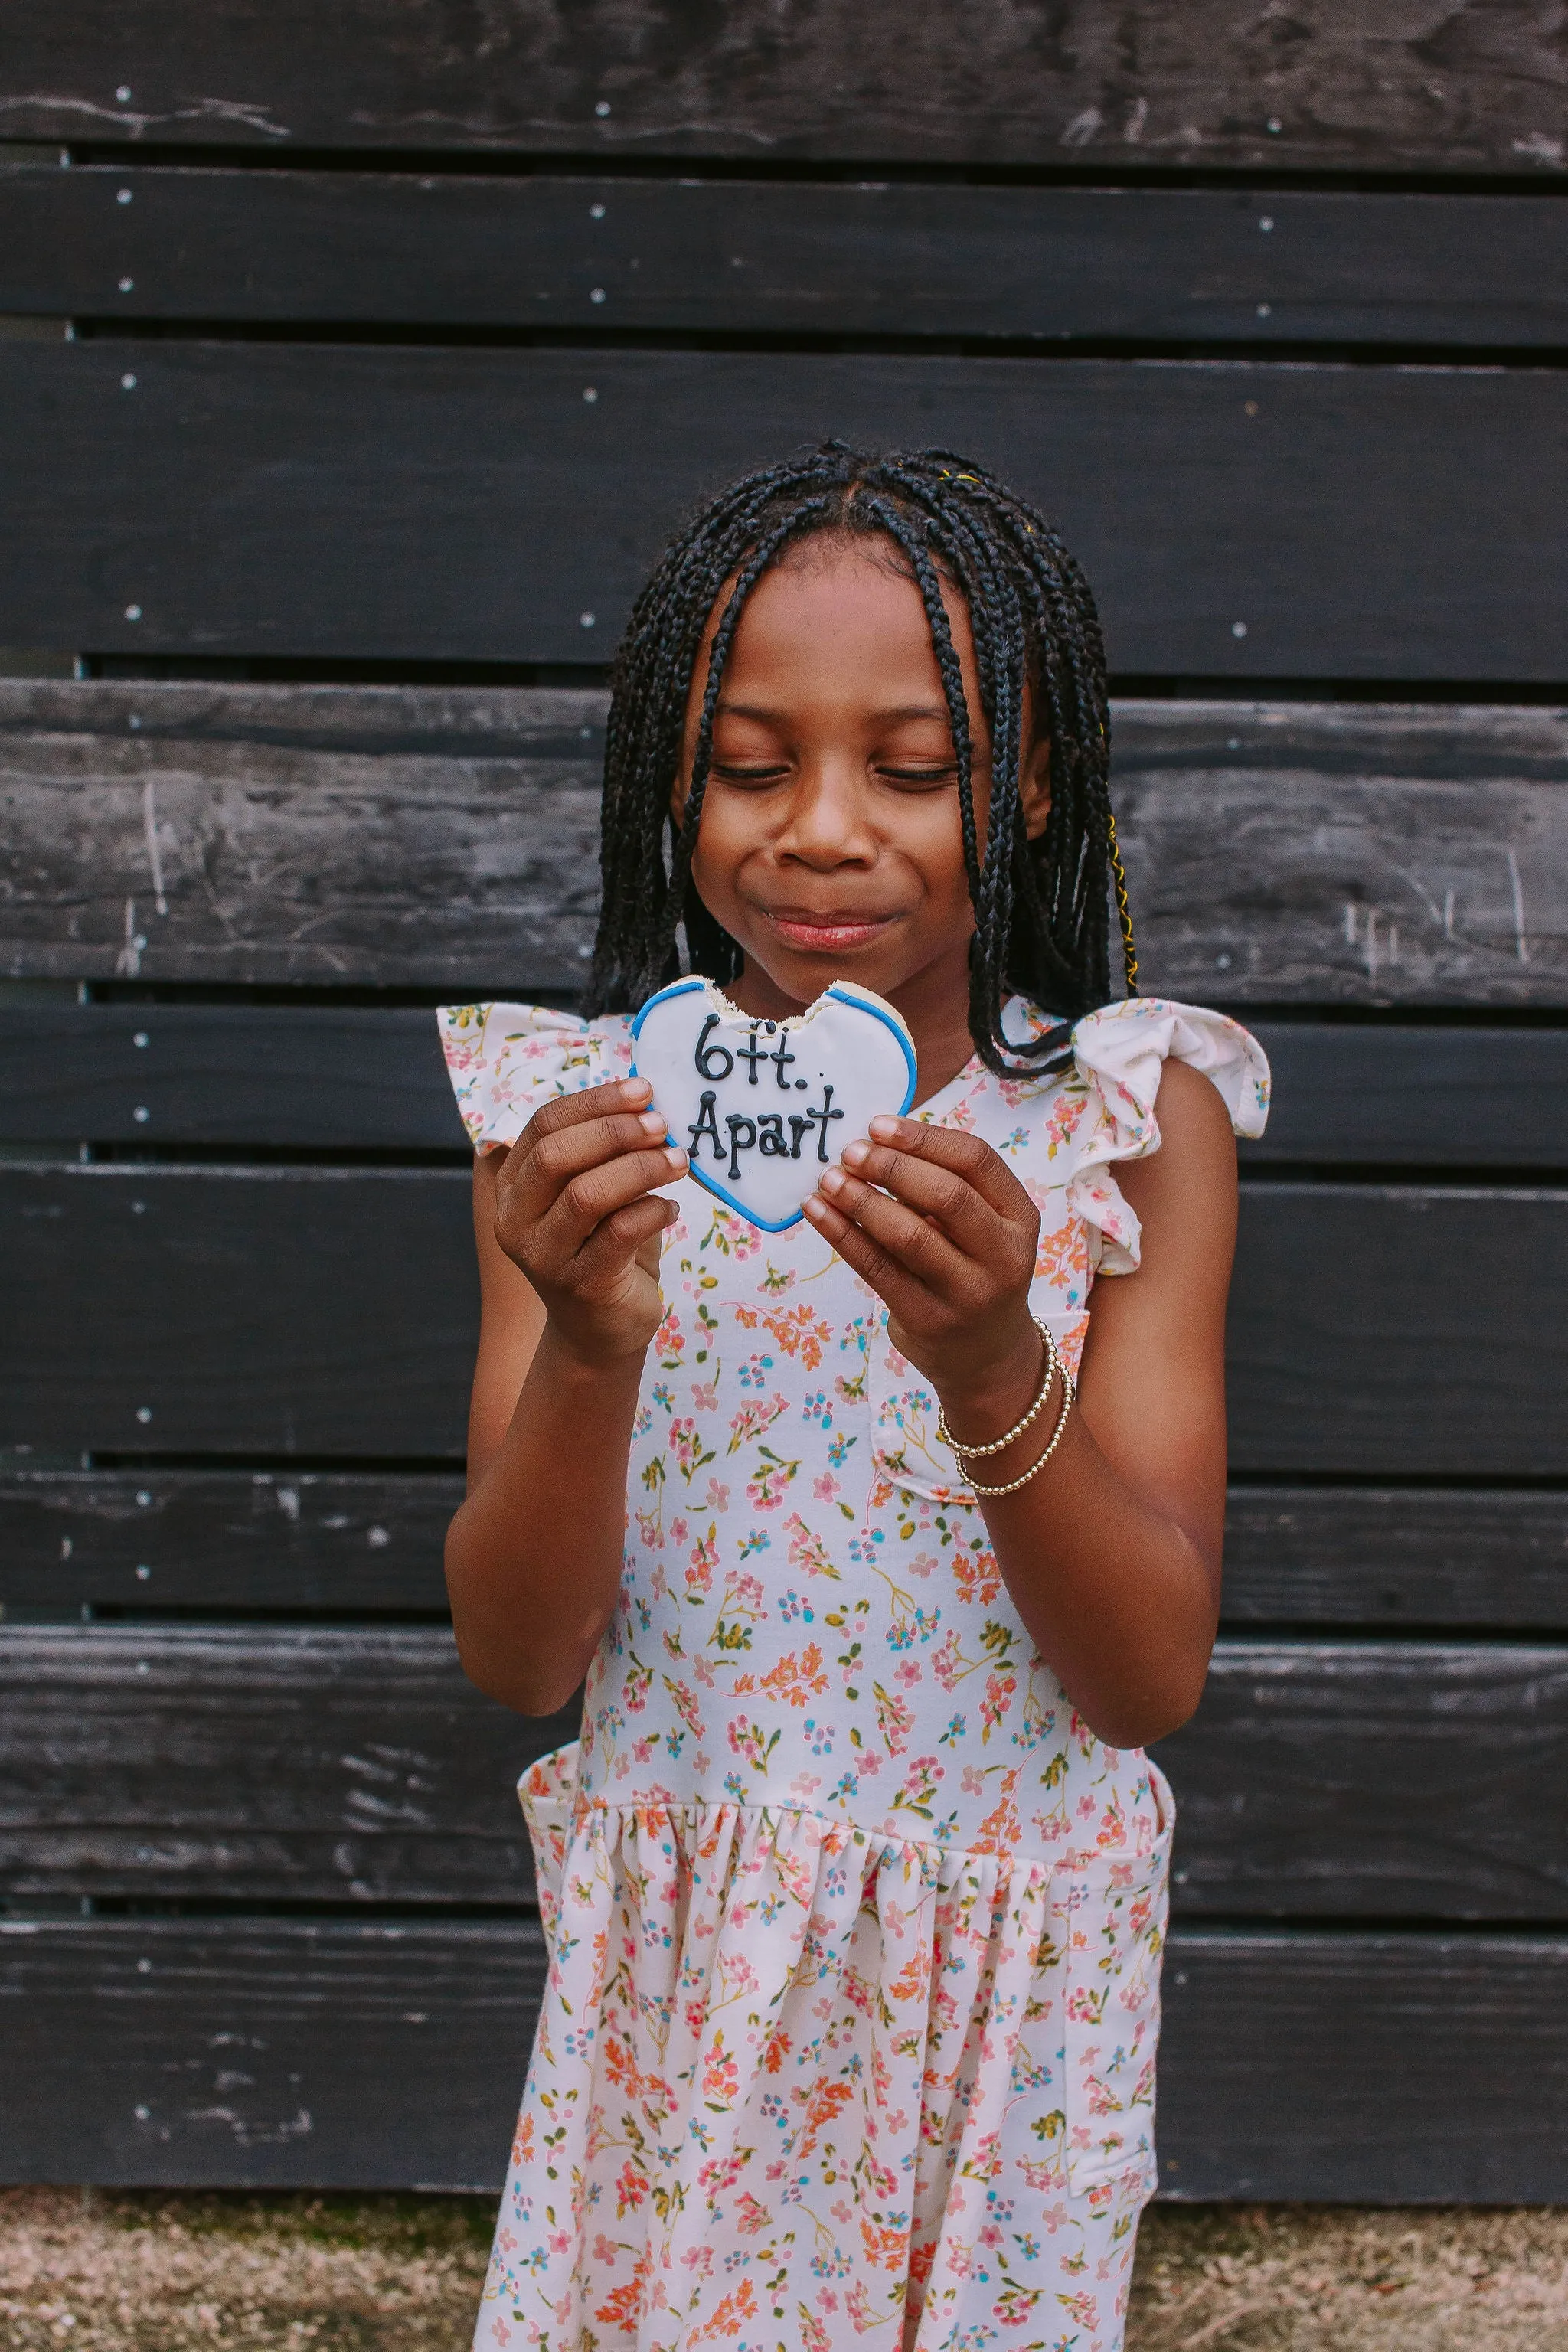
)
(813, 1206)
(833, 1181)
(636, 1089)
(884, 1127)
(854, 1154)
(676, 1157)
(653, 1121)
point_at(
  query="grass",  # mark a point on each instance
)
(144, 2272)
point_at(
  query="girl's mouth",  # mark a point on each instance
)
(832, 934)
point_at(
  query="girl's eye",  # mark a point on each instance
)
(748, 775)
(920, 775)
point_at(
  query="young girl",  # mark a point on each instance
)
(856, 1882)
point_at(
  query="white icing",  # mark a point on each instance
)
(763, 1106)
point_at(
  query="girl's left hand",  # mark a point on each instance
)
(939, 1225)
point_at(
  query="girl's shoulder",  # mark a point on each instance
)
(1069, 1128)
(505, 1060)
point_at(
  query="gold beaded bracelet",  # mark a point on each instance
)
(1000, 1444)
(1036, 1467)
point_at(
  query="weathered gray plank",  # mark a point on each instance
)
(1374, 1779)
(223, 1540)
(372, 1077)
(1396, 1557)
(300, 832)
(265, 2053)
(293, 2054)
(1360, 2069)
(736, 256)
(325, 1312)
(1367, 1780)
(1461, 87)
(343, 501)
(259, 1764)
(447, 837)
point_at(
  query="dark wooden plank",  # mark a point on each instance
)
(1373, 853)
(737, 257)
(1393, 1557)
(1415, 1096)
(1400, 1556)
(171, 496)
(330, 1311)
(1399, 1328)
(372, 1078)
(258, 1765)
(1358, 2069)
(223, 1539)
(282, 1311)
(301, 833)
(265, 2053)
(246, 2054)
(1374, 1779)
(1472, 88)
(1353, 1779)
(306, 1075)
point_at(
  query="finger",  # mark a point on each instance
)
(571, 1110)
(892, 1283)
(619, 1238)
(904, 1235)
(567, 1152)
(966, 1155)
(598, 1192)
(935, 1190)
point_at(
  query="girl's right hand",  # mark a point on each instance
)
(574, 1212)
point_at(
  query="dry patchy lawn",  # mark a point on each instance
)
(192, 2273)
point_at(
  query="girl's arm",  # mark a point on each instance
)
(1112, 1553)
(568, 1237)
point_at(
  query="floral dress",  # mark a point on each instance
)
(848, 2037)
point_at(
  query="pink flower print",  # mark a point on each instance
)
(767, 1490)
(749, 1742)
(909, 1673)
(808, 1550)
(721, 2076)
(754, 1419)
(718, 1497)
(686, 1445)
(705, 1395)
(678, 1532)
(972, 1782)
(825, 1487)
(669, 1340)
(894, 1719)
(650, 1534)
(704, 1560)
(949, 1664)
(750, 2216)
(631, 2187)
(999, 1689)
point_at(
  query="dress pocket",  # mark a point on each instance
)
(548, 1795)
(1117, 1912)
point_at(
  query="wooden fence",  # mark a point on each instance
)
(353, 363)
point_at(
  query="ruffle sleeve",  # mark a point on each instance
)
(1120, 1053)
(505, 1060)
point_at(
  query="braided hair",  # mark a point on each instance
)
(1042, 908)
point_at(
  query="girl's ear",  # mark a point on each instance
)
(1035, 786)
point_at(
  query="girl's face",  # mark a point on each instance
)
(829, 845)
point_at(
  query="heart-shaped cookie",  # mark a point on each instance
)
(763, 1106)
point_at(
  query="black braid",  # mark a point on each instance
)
(1043, 908)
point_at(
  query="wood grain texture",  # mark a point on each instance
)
(736, 256)
(1374, 1779)
(326, 1312)
(314, 1077)
(1451, 86)
(447, 837)
(273, 1311)
(265, 2053)
(372, 1078)
(341, 501)
(224, 1540)
(1345, 1300)
(220, 1541)
(253, 833)
(331, 2054)
(261, 1764)
(1396, 1557)
(1353, 1779)
(1361, 2069)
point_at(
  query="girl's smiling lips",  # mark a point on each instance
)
(814, 932)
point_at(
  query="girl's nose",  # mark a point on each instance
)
(826, 822)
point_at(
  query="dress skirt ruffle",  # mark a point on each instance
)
(800, 2082)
